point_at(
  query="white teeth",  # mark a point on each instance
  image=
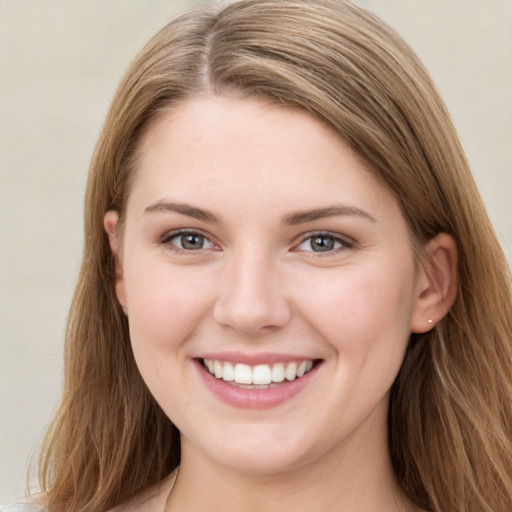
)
(262, 374)
(243, 374)
(218, 368)
(291, 371)
(259, 376)
(229, 372)
(301, 370)
(278, 372)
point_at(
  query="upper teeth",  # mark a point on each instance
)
(260, 374)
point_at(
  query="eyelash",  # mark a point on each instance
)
(168, 237)
(342, 242)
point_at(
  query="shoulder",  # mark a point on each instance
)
(152, 499)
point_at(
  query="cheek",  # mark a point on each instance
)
(165, 304)
(165, 311)
(363, 311)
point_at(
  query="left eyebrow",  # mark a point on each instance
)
(301, 217)
(183, 209)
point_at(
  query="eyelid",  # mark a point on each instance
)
(169, 235)
(346, 241)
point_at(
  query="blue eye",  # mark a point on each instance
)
(322, 242)
(188, 241)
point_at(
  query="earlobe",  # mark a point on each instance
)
(436, 284)
(110, 222)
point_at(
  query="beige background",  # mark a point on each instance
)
(60, 61)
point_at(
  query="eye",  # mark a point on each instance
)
(188, 241)
(323, 242)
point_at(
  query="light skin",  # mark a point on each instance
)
(254, 230)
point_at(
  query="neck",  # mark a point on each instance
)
(351, 479)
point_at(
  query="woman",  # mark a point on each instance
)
(290, 291)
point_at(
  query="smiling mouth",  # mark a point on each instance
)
(261, 376)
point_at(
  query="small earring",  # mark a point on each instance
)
(430, 321)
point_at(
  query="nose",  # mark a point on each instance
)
(251, 298)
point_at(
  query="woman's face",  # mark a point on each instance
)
(258, 243)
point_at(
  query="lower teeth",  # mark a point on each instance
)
(254, 386)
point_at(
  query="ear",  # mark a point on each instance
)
(436, 284)
(111, 222)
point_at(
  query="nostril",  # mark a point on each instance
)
(250, 297)
(252, 317)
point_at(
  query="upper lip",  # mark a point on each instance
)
(256, 359)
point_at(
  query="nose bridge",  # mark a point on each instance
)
(251, 297)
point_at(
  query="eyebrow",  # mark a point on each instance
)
(183, 209)
(294, 218)
(301, 217)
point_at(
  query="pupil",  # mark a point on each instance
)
(192, 242)
(322, 243)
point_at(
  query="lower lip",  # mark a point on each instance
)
(254, 398)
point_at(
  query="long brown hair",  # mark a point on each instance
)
(450, 419)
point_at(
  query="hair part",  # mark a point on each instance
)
(450, 416)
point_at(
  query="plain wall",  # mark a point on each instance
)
(60, 61)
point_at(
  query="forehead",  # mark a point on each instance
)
(266, 154)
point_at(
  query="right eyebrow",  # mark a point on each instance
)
(302, 217)
(183, 209)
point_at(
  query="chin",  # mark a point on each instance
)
(263, 463)
(264, 455)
